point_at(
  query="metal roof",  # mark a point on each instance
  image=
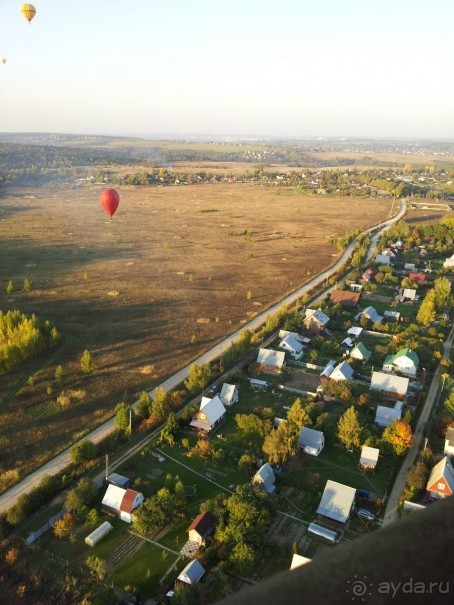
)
(337, 501)
(192, 573)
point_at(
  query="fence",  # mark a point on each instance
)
(42, 530)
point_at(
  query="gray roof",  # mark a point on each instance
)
(269, 357)
(290, 342)
(337, 501)
(386, 416)
(192, 573)
(343, 371)
(389, 383)
(310, 437)
(265, 477)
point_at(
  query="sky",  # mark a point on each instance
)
(352, 68)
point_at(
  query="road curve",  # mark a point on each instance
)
(63, 460)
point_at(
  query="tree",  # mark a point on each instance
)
(59, 375)
(144, 405)
(86, 362)
(122, 412)
(180, 494)
(97, 566)
(83, 451)
(442, 291)
(297, 416)
(156, 513)
(427, 313)
(418, 475)
(399, 436)
(27, 285)
(65, 526)
(9, 287)
(249, 295)
(160, 406)
(170, 431)
(93, 517)
(349, 429)
(82, 494)
(280, 444)
(198, 377)
(242, 558)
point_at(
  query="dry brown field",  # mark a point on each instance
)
(173, 263)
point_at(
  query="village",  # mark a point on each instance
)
(296, 451)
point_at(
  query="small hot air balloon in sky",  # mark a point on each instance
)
(109, 201)
(29, 11)
(3, 60)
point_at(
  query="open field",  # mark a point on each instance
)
(175, 262)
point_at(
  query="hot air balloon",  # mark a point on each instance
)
(29, 11)
(109, 201)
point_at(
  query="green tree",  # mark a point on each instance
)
(97, 566)
(86, 362)
(160, 405)
(83, 451)
(9, 287)
(170, 431)
(249, 295)
(418, 475)
(242, 558)
(349, 429)
(427, 312)
(122, 414)
(93, 517)
(297, 416)
(198, 377)
(280, 444)
(59, 375)
(156, 513)
(27, 285)
(180, 494)
(143, 408)
(442, 292)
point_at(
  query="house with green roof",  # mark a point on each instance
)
(360, 352)
(404, 361)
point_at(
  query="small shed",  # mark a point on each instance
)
(311, 441)
(98, 534)
(265, 478)
(200, 528)
(229, 394)
(369, 458)
(119, 480)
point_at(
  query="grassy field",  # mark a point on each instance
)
(135, 290)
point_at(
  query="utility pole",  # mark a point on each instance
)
(107, 465)
(130, 421)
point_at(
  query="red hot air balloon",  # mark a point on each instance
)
(109, 201)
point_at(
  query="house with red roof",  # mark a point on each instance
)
(121, 503)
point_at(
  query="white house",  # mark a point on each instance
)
(360, 352)
(121, 503)
(404, 361)
(449, 442)
(383, 259)
(229, 394)
(385, 416)
(371, 314)
(355, 332)
(410, 294)
(271, 361)
(369, 458)
(449, 263)
(192, 573)
(343, 371)
(302, 339)
(394, 387)
(311, 441)
(265, 478)
(328, 369)
(337, 501)
(292, 346)
(210, 415)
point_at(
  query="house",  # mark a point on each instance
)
(404, 361)
(311, 441)
(449, 441)
(210, 415)
(328, 369)
(409, 294)
(345, 298)
(258, 385)
(371, 314)
(200, 528)
(409, 266)
(265, 478)
(292, 346)
(271, 361)
(360, 352)
(347, 343)
(449, 263)
(417, 277)
(121, 503)
(118, 480)
(356, 287)
(394, 387)
(383, 259)
(389, 252)
(368, 275)
(391, 315)
(298, 560)
(385, 416)
(355, 332)
(302, 339)
(441, 480)
(337, 501)
(369, 458)
(229, 394)
(192, 573)
(343, 371)
(315, 320)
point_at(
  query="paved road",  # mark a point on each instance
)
(62, 461)
(391, 512)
